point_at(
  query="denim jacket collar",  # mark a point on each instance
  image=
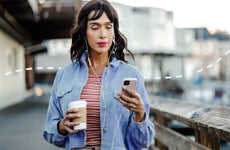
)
(114, 63)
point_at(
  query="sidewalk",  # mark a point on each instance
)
(22, 124)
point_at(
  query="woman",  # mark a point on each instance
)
(115, 120)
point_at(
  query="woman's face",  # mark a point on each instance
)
(99, 34)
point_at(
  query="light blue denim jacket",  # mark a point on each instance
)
(118, 129)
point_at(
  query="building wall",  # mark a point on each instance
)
(12, 71)
(184, 41)
(148, 29)
(206, 54)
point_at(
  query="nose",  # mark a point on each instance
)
(103, 33)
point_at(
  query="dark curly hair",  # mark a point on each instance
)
(78, 31)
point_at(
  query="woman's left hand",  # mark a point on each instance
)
(132, 100)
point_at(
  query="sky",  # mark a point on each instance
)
(213, 14)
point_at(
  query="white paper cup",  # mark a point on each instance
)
(81, 105)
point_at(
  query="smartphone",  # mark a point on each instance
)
(130, 83)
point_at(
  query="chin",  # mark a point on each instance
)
(102, 50)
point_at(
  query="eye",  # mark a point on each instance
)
(109, 27)
(94, 28)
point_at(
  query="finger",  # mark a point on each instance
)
(120, 99)
(132, 109)
(66, 117)
(69, 130)
(72, 110)
(130, 92)
(130, 100)
(69, 126)
(72, 129)
(127, 101)
(123, 96)
(73, 115)
(135, 94)
(131, 106)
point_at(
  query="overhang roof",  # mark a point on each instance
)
(32, 21)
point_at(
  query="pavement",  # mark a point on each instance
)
(21, 125)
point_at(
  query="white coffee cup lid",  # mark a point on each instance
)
(79, 103)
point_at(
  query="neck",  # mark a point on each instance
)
(97, 63)
(98, 60)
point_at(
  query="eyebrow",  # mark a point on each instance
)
(97, 23)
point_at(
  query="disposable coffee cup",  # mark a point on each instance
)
(81, 105)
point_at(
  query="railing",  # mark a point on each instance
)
(211, 124)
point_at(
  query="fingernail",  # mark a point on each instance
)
(117, 95)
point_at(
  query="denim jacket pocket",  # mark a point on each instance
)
(65, 96)
(63, 91)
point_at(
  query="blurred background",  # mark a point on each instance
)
(182, 49)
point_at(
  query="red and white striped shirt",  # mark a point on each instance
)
(91, 94)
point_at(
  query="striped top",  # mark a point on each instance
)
(91, 94)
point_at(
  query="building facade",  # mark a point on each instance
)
(13, 87)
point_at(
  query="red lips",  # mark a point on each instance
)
(102, 44)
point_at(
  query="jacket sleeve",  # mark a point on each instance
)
(141, 134)
(54, 115)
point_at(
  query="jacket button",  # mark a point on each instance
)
(141, 126)
(104, 130)
(104, 107)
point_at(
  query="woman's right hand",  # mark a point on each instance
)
(65, 125)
